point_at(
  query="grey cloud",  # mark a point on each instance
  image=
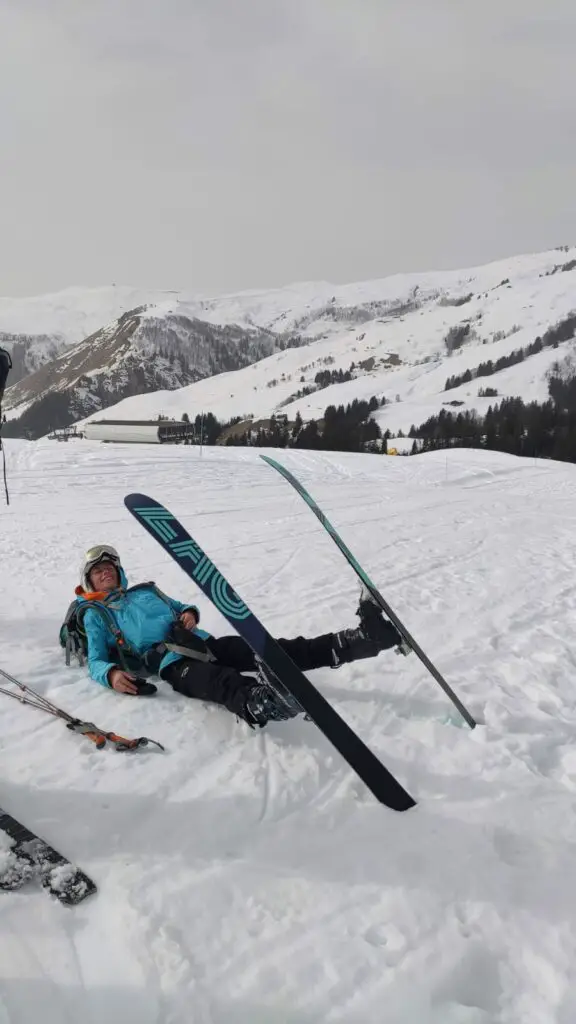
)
(214, 145)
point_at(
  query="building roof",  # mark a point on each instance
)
(139, 423)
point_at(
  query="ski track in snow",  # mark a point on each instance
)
(249, 877)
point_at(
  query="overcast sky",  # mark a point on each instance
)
(215, 145)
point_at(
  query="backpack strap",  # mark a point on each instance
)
(107, 616)
(152, 658)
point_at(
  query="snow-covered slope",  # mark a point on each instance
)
(391, 335)
(247, 877)
(299, 306)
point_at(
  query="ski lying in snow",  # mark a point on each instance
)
(16, 868)
(371, 587)
(177, 542)
(30, 857)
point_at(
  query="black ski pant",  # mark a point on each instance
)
(221, 681)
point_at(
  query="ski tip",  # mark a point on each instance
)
(136, 502)
(135, 499)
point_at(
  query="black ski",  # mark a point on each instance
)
(31, 856)
(177, 542)
(374, 592)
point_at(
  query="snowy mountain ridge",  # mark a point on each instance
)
(300, 348)
(388, 339)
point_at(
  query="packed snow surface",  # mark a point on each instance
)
(249, 877)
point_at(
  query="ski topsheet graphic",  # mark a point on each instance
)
(177, 542)
(375, 593)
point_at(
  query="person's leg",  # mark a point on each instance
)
(220, 684)
(307, 652)
(232, 651)
(326, 651)
(374, 634)
(206, 681)
(212, 670)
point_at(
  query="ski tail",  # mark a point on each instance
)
(193, 560)
(372, 588)
(32, 856)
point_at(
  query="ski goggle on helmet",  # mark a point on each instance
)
(95, 555)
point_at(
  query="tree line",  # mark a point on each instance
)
(564, 330)
(544, 430)
(348, 428)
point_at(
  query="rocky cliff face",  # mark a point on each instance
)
(135, 354)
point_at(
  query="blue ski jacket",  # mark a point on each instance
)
(142, 617)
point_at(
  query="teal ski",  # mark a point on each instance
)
(371, 587)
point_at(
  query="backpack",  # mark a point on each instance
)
(73, 637)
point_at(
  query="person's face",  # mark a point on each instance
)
(104, 576)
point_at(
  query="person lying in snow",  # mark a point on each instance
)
(161, 636)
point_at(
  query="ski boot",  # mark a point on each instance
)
(269, 701)
(374, 634)
(263, 705)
